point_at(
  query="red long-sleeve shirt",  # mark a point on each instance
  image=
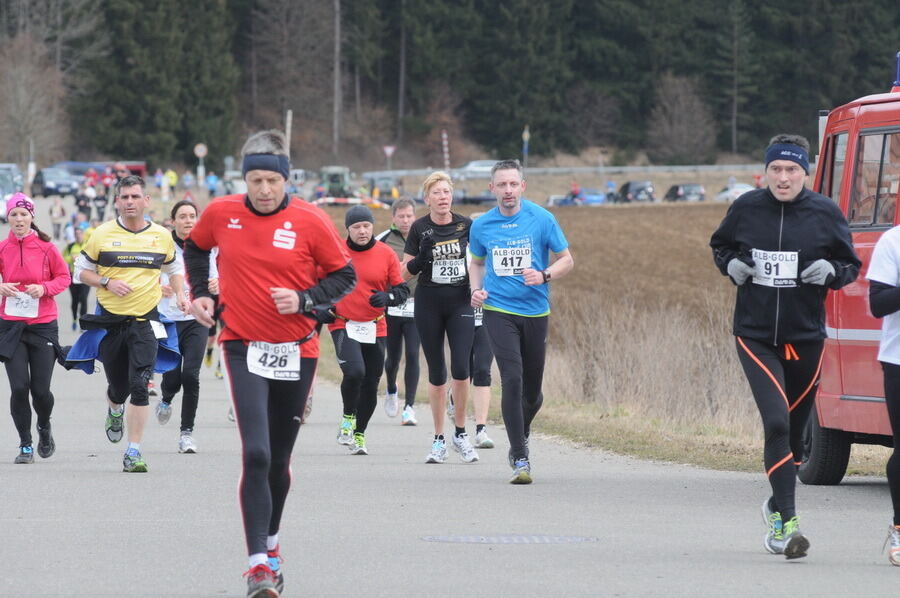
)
(31, 261)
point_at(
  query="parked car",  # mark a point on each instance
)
(14, 173)
(685, 192)
(476, 169)
(7, 188)
(585, 197)
(733, 192)
(635, 191)
(54, 181)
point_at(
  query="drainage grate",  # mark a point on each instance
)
(511, 539)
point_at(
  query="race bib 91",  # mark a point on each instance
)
(275, 361)
(775, 268)
(510, 261)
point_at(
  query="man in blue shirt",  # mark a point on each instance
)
(510, 275)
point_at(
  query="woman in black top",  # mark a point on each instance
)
(436, 251)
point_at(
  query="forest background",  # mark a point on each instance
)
(660, 81)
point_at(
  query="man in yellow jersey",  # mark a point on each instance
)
(123, 259)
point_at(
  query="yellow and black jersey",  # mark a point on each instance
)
(133, 257)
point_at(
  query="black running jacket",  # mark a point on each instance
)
(811, 225)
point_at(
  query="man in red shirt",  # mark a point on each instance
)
(271, 247)
(359, 328)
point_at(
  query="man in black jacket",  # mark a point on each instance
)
(783, 246)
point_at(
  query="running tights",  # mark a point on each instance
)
(30, 370)
(482, 358)
(79, 293)
(268, 414)
(520, 346)
(440, 311)
(401, 332)
(192, 338)
(892, 398)
(784, 380)
(361, 364)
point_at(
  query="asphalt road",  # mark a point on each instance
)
(388, 525)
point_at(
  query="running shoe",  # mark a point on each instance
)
(151, 389)
(133, 462)
(391, 404)
(207, 360)
(163, 412)
(438, 452)
(74, 326)
(114, 425)
(359, 444)
(408, 417)
(261, 582)
(482, 440)
(46, 444)
(795, 543)
(275, 561)
(218, 372)
(307, 410)
(521, 472)
(451, 407)
(463, 446)
(230, 415)
(894, 538)
(25, 456)
(345, 432)
(774, 540)
(186, 443)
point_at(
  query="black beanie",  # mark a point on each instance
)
(358, 214)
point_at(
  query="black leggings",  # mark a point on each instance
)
(361, 364)
(402, 332)
(784, 380)
(128, 353)
(79, 293)
(268, 414)
(520, 346)
(192, 338)
(30, 370)
(441, 310)
(892, 398)
(482, 357)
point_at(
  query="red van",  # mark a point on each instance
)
(859, 168)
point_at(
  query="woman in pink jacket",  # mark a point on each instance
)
(33, 272)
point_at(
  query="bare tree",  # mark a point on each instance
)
(594, 116)
(681, 127)
(31, 109)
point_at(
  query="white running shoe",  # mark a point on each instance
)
(438, 452)
(359, 444)
(463, 446)
(231, 414)
(894, 539)
(186, 443)
(345, 432)
(408, 417)
(482, 440)
(391, 404)
(163, 412)
(451, 408)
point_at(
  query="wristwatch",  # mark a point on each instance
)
(104, 281)
(546, 275)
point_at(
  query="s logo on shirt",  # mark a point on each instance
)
(284, 238)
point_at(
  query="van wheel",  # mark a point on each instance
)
(826, 453)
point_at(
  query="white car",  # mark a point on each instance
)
(730, 194)
(480, 169)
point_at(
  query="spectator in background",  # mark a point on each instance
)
(57, 217)
(107, 180)
(158, 178)
(83, 202)
(172, 179)
(91, 177)
(77, 289)
(212, 183)
(100, 202)
(187, 180)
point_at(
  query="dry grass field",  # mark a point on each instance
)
(641, 359)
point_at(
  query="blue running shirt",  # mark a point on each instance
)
(507, 244)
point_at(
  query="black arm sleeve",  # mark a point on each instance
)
(883, 299)
(196, 267)
(401, 294)
(333, 287)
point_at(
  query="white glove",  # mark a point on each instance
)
(819, 272)
(739, 271)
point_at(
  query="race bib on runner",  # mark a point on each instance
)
(479, 316)
(21, 305)
(510, 261)
(448, 271)
(405, 310)
(361, 332)
(275, 361)
(775, 268)
(159, 329)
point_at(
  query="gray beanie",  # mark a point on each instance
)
(358, 214)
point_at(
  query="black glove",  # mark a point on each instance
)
(380, 298)
(424, 257)
(322, 316)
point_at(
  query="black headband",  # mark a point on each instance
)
(273, 162)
